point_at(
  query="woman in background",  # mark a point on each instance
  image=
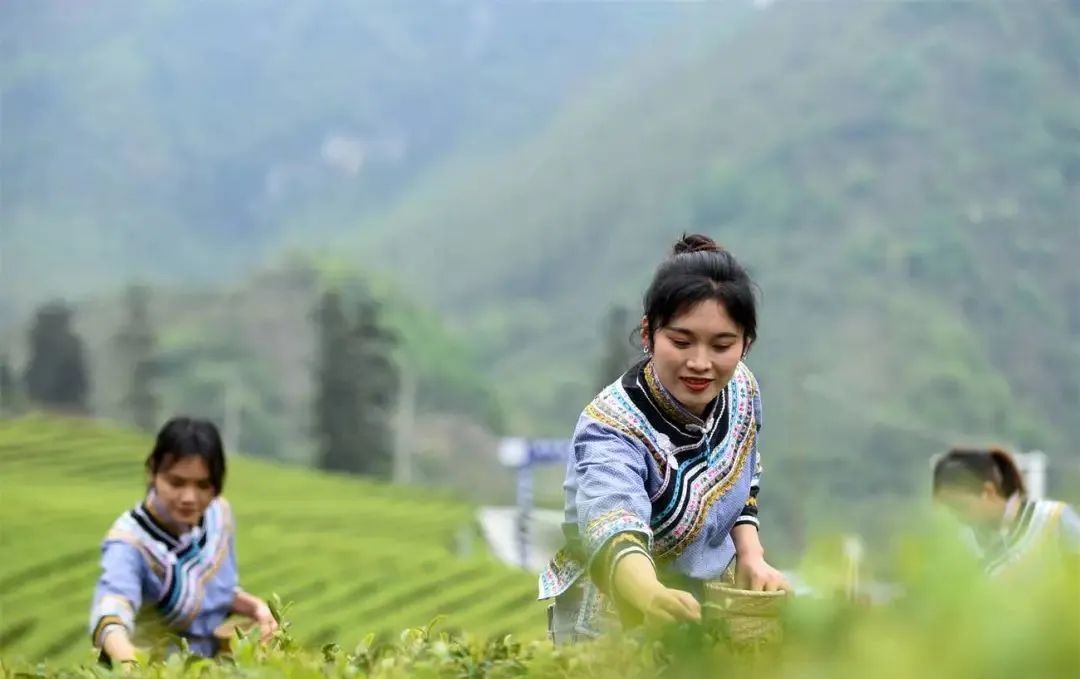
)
(985, 490)
(170, 561)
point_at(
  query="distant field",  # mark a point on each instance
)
(355, 557)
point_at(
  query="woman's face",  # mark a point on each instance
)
(696, 353)
(183, 486)
(982, 509)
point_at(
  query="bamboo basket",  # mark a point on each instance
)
(751, 619)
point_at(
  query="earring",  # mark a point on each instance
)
(645, 350)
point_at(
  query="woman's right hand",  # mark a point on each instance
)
(117, 645)
(635, 583)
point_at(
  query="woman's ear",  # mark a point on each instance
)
(989, 490)
(646, 345)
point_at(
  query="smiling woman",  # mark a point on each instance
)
(662, 484)
(170, 561)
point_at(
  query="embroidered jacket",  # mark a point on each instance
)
(184, 583)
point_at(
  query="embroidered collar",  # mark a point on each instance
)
(1014, 521)
(1012, 512)
(158, 523)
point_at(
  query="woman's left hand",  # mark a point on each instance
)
(755, 574)
(266, 621)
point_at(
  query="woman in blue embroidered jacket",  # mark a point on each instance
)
(984, 489)
(171, 559)
(662, 484)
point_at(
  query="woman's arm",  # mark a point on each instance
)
(117, 596)
(613, 517)
(245, 604)
(751, 569)
(747, 542)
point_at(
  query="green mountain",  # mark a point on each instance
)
(182, 141)
(902, 178)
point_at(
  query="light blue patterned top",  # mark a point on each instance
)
(187, 581)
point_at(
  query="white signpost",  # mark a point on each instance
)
(1033, 468)
(524, 454)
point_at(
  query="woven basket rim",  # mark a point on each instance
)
(747, 593)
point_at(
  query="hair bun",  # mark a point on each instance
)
(695, 243)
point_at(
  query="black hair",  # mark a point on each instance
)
(698, 270)
(969, 470)
(182, 437)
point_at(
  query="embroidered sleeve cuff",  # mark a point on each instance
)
(105, 626)
(112, 611)
(749, 521)
(603, 528)
(749, 513)
(622, 545)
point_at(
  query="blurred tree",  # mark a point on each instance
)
(56, 375)
(619, 353)
(378, 385)
(336, 400)
(137, 342)
(356, 387)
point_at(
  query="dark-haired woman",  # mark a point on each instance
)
(984, 489)
(169, 563)
(662, 484)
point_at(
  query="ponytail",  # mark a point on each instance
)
(970, 469)
(1010, 481)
